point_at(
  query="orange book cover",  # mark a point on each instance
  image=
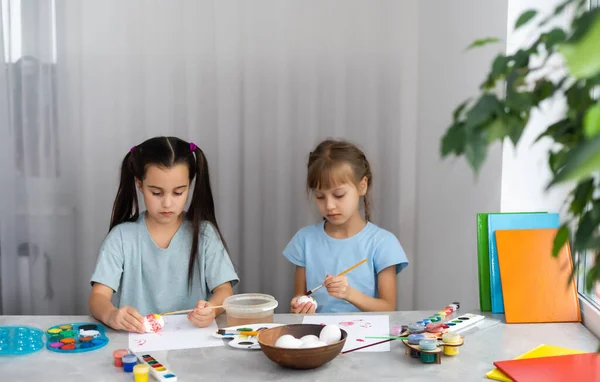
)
(574, 367)
(534, 283)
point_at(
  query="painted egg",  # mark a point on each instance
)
(303, 299)
(330, 334)
(310, 338)
(288, 341)
(153, 323)
(315, 344)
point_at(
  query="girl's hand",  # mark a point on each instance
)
(126, 318)
(202, 316)
(307, 307)
(337, 286)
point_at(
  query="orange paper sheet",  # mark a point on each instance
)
(575, 367)
(534, 283)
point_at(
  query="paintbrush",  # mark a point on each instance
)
(366, 346)
(187, 310)
(223, 332)
(341, 274)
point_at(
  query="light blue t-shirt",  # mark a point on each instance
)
(312, 248)
(155, 280)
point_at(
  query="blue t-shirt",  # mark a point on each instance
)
(312, 248)
(155, 280)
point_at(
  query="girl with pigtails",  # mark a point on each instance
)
(164, 258)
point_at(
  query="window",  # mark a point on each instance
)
(13, 24)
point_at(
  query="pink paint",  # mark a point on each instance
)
(360, 340)
(140, 342)
(346, 323)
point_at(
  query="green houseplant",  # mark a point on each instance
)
(496, 115)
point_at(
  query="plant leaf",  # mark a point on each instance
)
(592, 276)
(499, 65)
(583, 57)
(556, 160)
(580, 163)
(453, 140)
(483, 110)
(554, 37)
(483, 41)
(591, 122)
(560, 239)
(581, 196)
(476, 151)
(525, 18)
(497, 129)
(585, 230)
(458, 111)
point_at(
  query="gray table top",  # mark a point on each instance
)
(490, 340)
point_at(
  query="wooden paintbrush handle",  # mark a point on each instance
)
(187, 310)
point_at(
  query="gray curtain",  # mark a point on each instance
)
(255, 84)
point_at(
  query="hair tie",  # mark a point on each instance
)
(193, 146)
(131, 149)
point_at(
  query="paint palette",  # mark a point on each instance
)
(464, 321)
(18, 340)
(76, 338)
(159, 371)
(241, 341)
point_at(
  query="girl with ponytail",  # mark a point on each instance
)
(339, 177)
(164, 258)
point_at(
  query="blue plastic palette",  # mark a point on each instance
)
(76, 337)
(18, 340)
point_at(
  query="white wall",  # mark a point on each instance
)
(448, 194)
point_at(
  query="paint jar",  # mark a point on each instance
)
(397, 330)
(434, 327)
(451, 338)
(416, 328)
(249, 308)
(140, 372)
(129, 361)
(414, 339)
(428, 357)
(118, 356)
(428, 344)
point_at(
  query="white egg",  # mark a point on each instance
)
(309, 338)
(330, 334)
(315, 344)
(288, 341)
(303, 299)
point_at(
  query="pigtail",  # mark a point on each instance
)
(125, 206)
(202, 208)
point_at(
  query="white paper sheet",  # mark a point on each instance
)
(357, 327)
(178, 333)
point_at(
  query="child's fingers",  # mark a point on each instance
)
(307, 307)
(130, 325)
(300, 308)
(201, 304)
(133, 322)
(135, 314)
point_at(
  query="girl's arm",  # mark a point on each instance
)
(202, 316)
(300, 290)
(337, 286)
(220, 293)
(126, 318)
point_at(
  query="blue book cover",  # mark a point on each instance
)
(510, 221)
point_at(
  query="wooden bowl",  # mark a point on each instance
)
(309, 358)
